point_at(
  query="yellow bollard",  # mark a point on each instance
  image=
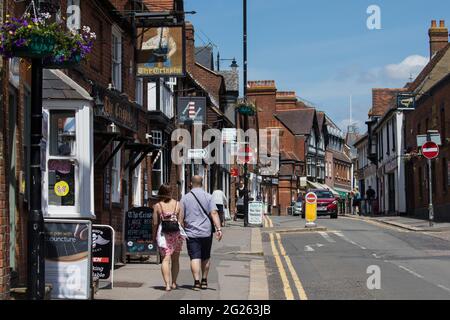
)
(311, 210)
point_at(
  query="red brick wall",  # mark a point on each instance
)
(428, 110)
(4, 212)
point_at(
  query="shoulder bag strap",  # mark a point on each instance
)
(203, 209)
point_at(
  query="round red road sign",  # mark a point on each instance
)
(311, 198)
(430, 150)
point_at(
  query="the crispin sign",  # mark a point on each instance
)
(191, 110)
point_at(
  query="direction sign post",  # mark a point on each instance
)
(430, 150)
(311, 210)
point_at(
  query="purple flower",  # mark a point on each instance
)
(20, 42)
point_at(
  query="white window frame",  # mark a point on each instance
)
(137, 186)
(139, 91)
(116, 62)
(116, 173)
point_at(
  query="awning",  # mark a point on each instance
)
(342, 192)
(334, 192)
(315, 185)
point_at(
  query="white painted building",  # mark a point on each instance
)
(391, 166)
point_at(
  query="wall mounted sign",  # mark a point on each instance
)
(161, 52)
(117, 109)
(406, 101)
(68, 247)
(191, 110)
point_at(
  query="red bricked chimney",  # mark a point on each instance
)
(190, 45)
(438, 37)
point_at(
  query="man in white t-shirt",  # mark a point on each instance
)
(221, 201)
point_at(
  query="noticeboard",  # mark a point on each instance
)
(138, 232)
(255, 213)
(103, 254)
(68, 258)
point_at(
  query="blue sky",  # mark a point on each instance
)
(323, 49)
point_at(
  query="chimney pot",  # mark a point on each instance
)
(442, 24)
(433, 24)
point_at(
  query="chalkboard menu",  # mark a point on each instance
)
(138, 231)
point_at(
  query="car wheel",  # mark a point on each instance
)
(334, 216)
(303, 216)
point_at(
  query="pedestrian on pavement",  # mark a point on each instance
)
(200, 220)
(221, 201)
(370, 194)
(168, 225)
(356, 201)
(240, 193)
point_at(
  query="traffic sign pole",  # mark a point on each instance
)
(430, 150)
(430, 206)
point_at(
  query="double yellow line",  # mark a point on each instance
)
(278, 256)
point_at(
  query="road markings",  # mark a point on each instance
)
(286, 286)
(444, 288)
(319, 245)
(270, 222)
(298, 284)
(411, 272)
(376, 256)
(327, 237)
(341, 235)
(309, 249)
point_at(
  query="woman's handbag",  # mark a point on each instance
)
(170, 226)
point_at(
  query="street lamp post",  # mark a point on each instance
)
(246, 198)
(36, 263)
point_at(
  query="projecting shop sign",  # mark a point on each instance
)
(191, 110)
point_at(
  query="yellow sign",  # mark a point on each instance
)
(62, 189)
(311, 207)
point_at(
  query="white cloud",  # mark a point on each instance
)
(412, 65)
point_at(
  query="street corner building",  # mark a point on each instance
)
(389, 158)
(108, 124)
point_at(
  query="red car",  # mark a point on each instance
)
(327, 204)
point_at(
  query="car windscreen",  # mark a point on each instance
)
(324, 194)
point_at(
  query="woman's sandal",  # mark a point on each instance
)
(204, 284)
(197, 285)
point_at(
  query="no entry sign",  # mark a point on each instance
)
(311, 198)
(430, 150)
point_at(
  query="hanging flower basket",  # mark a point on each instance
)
(246, 108)
(36, 46)
(28, 37)
(71, 48)
(34, 36)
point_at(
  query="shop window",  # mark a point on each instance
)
(62, 164)
(62, 133)
(115, 176)
(61, 183)
(116, 51)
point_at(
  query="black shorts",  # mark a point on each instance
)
(221, 212)
(199, 248)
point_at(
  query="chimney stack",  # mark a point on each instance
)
(438, 37)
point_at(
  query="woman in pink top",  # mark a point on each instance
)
(168, 209)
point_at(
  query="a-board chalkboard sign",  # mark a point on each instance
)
(138, 232)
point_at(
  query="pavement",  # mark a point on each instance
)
(407, 223)
(353, 257)
(237, 273)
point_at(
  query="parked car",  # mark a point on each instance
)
(297, 208)
(327, 204)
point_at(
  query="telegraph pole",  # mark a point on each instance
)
(245, 117)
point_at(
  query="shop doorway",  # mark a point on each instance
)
(392, 193)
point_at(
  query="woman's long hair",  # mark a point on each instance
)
(165, 193)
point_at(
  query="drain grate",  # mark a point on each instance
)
(128, 284)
